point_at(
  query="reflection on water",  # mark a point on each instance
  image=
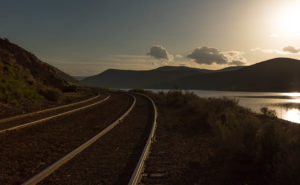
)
(286, 105)
(294, 101)
(292, 114)
(294, 94)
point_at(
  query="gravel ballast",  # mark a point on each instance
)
(34, 117)
(27, 151)
(113, 158)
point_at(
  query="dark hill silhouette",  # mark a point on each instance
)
(167, 75)
(79, 77)
(181, 68)
(279, 74)
(23, 75)
(114, 78)
(42, 71)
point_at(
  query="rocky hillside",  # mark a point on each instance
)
(24, 76)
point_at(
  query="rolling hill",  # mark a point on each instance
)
(114, 78)
(279, 74)
(24, 76)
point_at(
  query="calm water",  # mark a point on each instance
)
(286, 105)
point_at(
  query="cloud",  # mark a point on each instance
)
(160, 52)
(274, 35)
(291, 49)
(178, 56)
(235, 57)
(285, 51)
(236, 63)
(268, 51)
(209, 56)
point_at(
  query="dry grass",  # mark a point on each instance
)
(215, 141)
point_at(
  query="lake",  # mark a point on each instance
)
(286, 105)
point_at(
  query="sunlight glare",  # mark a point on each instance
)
(287, 20)
(294, 101)
(293, 94)
(292, 115)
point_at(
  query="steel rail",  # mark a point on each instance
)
(46, 110)
(46, 172)
(54, 116)
(136, 176)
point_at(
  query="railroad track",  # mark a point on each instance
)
(117, 158)
(27, 151)
(26, 120)
(45, 110)
(46, 172)
(140, 167)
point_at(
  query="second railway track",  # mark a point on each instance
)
(113, 158)
(45, 110)
(25, 120)
(26, 152)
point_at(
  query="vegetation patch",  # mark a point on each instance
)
(28, 84)
(51, 94)
(16, 84)
(215, 141)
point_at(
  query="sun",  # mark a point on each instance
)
(287, 20)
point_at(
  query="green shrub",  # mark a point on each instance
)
(247, 148)
(51, 94)
(267, 112)
(13, 90)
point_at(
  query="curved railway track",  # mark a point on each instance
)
(117, 158)
(45, 110)
(26, 120)
(139, 170)
(43, 174)
(27, 151)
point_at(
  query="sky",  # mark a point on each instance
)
(87, 37)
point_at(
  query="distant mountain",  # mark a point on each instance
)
(114, 78)
(181, 68)
(79, 77)
(232, 68)
(23, 75)
(279, 74)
